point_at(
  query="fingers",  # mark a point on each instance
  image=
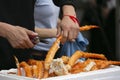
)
(65, 36)
(19, 37)
(29, 43)
(31, 32)
(33, 37)
(73, 34)
(68, 29)
(23, 44)
(70, 34)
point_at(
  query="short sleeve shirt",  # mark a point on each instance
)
(46, 16)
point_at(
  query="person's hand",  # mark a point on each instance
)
(68, 29)
(19, 37)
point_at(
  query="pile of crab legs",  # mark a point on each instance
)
(40, 69)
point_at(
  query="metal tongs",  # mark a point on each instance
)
(34, 39)
(37, 39)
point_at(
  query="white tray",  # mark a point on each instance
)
(112, 73)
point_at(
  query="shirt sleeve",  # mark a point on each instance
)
(60, 3)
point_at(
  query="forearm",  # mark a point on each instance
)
(67, 6)
(4, 28)
(69, 10)
(46, 33)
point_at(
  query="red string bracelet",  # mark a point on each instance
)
(73, 18)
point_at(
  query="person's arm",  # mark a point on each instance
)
(17, 36)
(46, 33)
(68, 28)
(3, 29)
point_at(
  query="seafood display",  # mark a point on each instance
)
(65, 65)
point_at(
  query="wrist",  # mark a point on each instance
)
(73, 18)
(4, 29)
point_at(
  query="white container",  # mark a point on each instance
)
(112, 73)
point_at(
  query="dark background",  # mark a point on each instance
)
(102, 14)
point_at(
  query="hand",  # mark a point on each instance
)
(68, 29)
(19, 37)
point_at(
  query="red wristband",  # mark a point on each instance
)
(73, 18)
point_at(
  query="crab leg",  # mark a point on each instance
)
(94, 55)
(80, 54)
(27, 68)
(87, 27)
(51, 53)
(99, 64)
(40, 68)
(19, 73)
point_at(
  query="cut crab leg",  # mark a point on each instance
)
(103, 64)
(114, 62)
(79, 54)
(19, 73)
(46, 74)
(65, 59)
(51, 53)
(74, 58)
(40, 67)
(32, 62)
(27, 69)
(87, 27)
(94, 55)
(99, 64)
(35, 71)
